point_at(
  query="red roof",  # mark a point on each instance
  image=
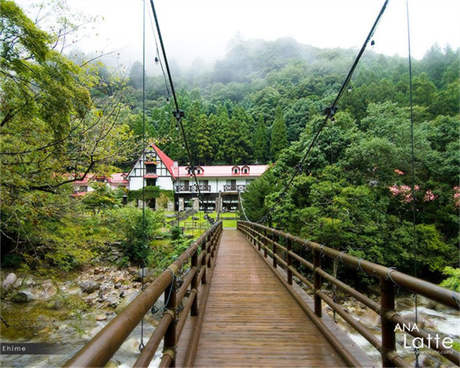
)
(150, 176)
(225, 170)
(118, 178)
(169, 163)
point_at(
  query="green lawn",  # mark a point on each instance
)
(229, 223)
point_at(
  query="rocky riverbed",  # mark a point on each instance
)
(432, 317)
(67, 310)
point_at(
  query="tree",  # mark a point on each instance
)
(135, 75)
(52, 133)
(260, 141)
(279, 135)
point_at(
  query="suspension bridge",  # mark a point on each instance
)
(256, 296)
(242, 303)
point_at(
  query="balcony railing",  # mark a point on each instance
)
(234, 188)
(193, 188)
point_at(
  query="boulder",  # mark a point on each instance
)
(23, 297)
(89, 286)
(48, 289)
(9, 281)
(101, 317)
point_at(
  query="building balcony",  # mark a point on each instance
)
(193, 188)
(234, 188)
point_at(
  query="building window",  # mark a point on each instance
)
(245, 170)
(151, 168)
(150, 182)
(236, 170)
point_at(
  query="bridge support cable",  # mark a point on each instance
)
(413, 204)
(329, 111)
(144, 237)
(178, 113)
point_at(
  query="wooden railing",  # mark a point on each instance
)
(286, 251)
(201, 254)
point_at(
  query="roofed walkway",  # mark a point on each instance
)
(252, 320)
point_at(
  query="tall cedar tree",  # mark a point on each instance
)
(260, 141)
(279, 134)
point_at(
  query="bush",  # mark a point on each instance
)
(176, 232)
(136, 232)
(453, 281)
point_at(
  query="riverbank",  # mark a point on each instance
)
(68, 310)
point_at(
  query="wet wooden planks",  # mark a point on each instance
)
(252, 320)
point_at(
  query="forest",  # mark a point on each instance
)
(63, 116)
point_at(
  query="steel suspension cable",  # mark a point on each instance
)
(331, 110)
(413, 209)
(144, 238)
(178, 114)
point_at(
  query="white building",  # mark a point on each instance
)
(218, 184)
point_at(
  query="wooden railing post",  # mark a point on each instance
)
(170, 335)
(209, 249)
(195, 283)
(258, 242)
(317, 281)
(204, 250)
(265, 244)
(289, 261)
(387, 303)
(273, 238)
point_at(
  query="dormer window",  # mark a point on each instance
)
(198, 170)
(245, 170)
(235, 170)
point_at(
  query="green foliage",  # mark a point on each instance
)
(52, 133)
(137, 232)
(176, 232)
(453, 280)
(101, 198)
(279, 135)
(148, 193)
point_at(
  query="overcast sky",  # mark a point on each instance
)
(203, 28)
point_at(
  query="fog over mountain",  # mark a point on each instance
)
(198, 33)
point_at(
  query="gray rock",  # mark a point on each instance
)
(48, 289)
(101, 317)
(89, 286)
(105, 286)
(23, 297)
(9, 281)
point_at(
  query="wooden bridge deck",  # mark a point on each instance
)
(252, 320)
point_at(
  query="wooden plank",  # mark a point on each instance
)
(252, 320)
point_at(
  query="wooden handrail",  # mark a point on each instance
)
(262, 238)
(98, 351)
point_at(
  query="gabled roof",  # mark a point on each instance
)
(169, 163)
